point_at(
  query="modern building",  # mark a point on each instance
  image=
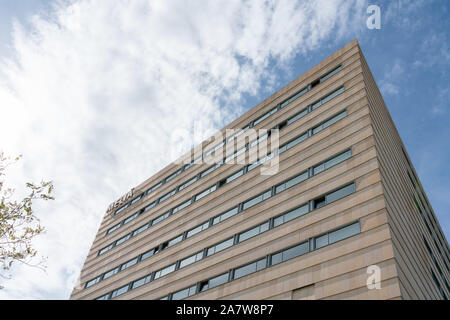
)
(342, 216)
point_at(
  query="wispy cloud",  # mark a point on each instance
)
(389, 85)
(93, 91)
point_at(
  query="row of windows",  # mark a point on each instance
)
(229, 158)
(441, 290)
(290, 144)
(270, 260)
(297, 212)
(265, 262)
(220, 145)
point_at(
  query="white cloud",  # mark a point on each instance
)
(94, 90)
(389, 85)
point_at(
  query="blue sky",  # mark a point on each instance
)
(95, 89)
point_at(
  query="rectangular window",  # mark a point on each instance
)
(175, 241)
(147, 254)
(139, 230)
(332, 95)
(136, 199)
(253, 232)
(255, 142)
(161, 218)
(129, 264)
(338, 159)
(196, 230)
(249, 268)
(344, 232)
(119, 291)
(181, 206)
(294, 97)
(237, 134)
(173, 175)
(265, 116)
(298, 116)
(296, 141)
(338, 194)
(321, 241)
(167, 196)
(189, 260)
(140, 282)
(104, 297)
(122, 240)
(121, 209)
(330, 74)
(290, 253)
(296, 180)
(130, 218)
(234, 176)
(318, 169)
(207, 153)
(257, 199)
(209, 170)
(156, 186)
(225, 215)
(217, 281)
(187, 183)
(105, 249)
(329, 122)
(291, 215)
(205, 192)
(219, 247)
(151, 205)
(319, 202)
(117, 226)
(92, 282)
(110, 273)
(182, 294)
(164, 271)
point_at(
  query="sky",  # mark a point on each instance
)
(92, 91)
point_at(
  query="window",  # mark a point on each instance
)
(164, 271)
(121, 209)
(129, 263)
(338, 194)
(154, 188)
(344, 232)
(214, 282)
(291, 215)
(104, 297)
(110, 273)
(296, 141)
(319, 202)
(161, 218)
(196, 230)
(249, 268)
(173, 175)
(205, 192)
(189, 260)
(119, 291)
(167, 196)
(187, 183)
(130, 218)
(321, 241)
(92, 282)
(136, 199)
(122, 240)
(338, 159)
(294, 97)
(257, 199)
(102, 251)
(234, 176)
(265, 116)
(329, 122)
(253, 232)
(290, 253)
(330, 74)
(299, 115)
(151, 205)
(114, 228)
(139, 230)
(140, 282)
(238, 133)
(147, 254)
(184, 293)
(219, 247)
(220, 145)
(255, 142)
(175, 241)
(209, 170)
(181, 206)
(225, 215)
(296, 180)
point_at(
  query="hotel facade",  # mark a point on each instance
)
(330, 208)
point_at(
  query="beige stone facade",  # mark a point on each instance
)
(398, 230)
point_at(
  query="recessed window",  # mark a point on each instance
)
(249, 268)
(219, 247)
(122, 240)
(175, 240)
(225, 215)
(161, 218)
(321, 241)
(182, 294)
(205, 192)
(319, 202)
(253, 232)
(164, 271)
(140, 282)
(139, 230)
(110, 273)
(129, 264)
(291, 215)
(338, 194)
(119, 291)
(257, 199)
(167, 196)
(196, 230)
(345, 232)
(189, 260)
(147, 254)
(291, 182)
